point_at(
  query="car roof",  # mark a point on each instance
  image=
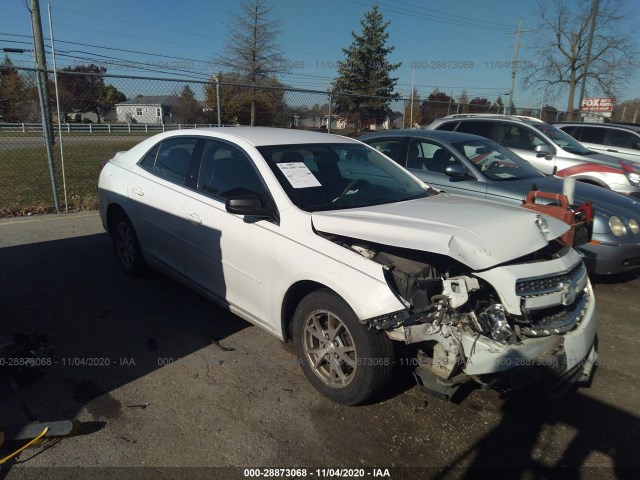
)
(492, 116)
(438, 135)
(632, 127)
(262, 136)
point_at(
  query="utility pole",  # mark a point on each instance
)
(43, 93)
(595, 4)
(514, 65)
(55, 82)
(413, 87)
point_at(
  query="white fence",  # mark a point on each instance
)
(102, 127)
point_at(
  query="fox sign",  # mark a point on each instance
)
(597, 104)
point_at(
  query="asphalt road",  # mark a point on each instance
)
(162, 378)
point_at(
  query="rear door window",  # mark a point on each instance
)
(429, 157)
(592, 135)
(390, 147)
(484, 129)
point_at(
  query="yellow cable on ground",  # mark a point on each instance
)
(31, 442)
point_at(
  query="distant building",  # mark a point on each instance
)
(147, 109)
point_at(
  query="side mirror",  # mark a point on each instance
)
(456, 171)
(544, 150)
(249, 205)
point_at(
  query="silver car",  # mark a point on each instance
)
(615, 139)
(472, 166)
(547, 148)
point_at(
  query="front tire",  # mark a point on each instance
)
(126, 246)
(342, 359)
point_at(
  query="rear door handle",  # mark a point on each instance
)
(194, 218)
(611, 150)
(138, 191)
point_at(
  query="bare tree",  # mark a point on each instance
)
(252, 53)
(562, 44)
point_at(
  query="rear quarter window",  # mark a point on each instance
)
(448, 126)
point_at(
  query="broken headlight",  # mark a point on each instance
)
(496, 318)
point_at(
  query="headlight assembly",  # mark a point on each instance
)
(633, 226)
(634, 179)
(617, 227)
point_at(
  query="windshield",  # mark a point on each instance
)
(496, 162)
(334, 176)
(563, 140)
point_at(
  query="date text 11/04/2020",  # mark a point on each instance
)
(467, 64)
(318, 472)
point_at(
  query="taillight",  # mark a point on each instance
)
(103, 163)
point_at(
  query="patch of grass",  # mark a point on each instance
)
(25, 183)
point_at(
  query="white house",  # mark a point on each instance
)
(146, 109)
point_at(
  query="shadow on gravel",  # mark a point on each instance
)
(513, 447)
(105, 329)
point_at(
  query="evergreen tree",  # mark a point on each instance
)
(107, 99)
(366, 71)
(187, 109)
(498, 106)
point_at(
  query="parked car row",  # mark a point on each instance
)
(472, 166)
(615, 139)
(330, 243)
(548, 149)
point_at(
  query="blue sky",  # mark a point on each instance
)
(454, 45)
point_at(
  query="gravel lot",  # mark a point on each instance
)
(180, 382)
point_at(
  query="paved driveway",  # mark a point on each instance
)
(162, 377)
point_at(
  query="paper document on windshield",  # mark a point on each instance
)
(299, 175)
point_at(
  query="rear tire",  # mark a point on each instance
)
(126, 246)
(343, 359)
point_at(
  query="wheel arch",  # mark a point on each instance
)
(292, 298)
(112, 210)
(592, 181)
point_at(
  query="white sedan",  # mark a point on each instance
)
(323, 240)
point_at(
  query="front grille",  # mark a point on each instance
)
(556, 320)
(555, 304)
(539, 286)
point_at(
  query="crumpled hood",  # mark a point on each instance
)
(477, 233)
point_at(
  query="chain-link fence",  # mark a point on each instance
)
(102, 114)
(94, 116)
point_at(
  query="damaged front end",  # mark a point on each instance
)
(530, 320)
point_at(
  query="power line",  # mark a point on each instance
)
(430, 17)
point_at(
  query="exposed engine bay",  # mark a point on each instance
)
(467, 325)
